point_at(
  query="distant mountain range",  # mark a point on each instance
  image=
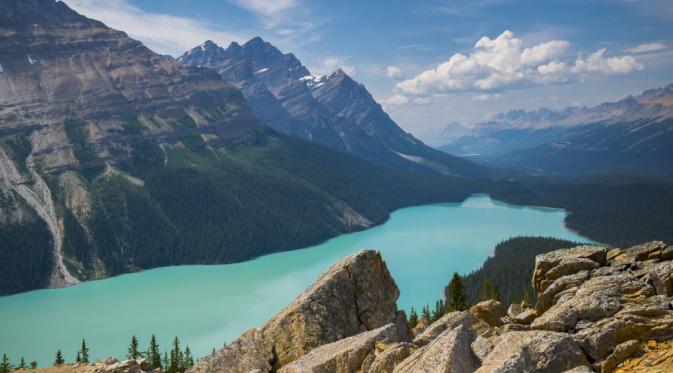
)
(632, 135)
(333, 110)
(114, 158)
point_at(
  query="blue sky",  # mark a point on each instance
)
(434, 62)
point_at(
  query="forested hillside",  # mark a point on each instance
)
(508, 272)
(619, 210)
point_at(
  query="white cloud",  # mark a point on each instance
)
(331, 64)
(646, 48)
(504, 63)
(266, 7)
(163, 33)
(393, 72)
(597, 63)
(286, 18)
(487, 97)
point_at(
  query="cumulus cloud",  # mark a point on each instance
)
(598, 63)
(163, 33)
(504, 63)
(646, 48)
(393, 72)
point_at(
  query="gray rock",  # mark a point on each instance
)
(353, 296)
(489, 311)
(247, 353)
(569, 261)
(344, 356)
(533, 351)
(520, 314)
(386, 360)
(448, 321)
(449, 353)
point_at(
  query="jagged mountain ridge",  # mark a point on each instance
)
(631, 135)
(115, 159)
(333, 110)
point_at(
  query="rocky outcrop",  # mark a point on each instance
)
(448, 353)
(489, 311)
(533, 351)
(354, 296)
(597, 310)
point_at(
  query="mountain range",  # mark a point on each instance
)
(333, 110)
(114, 158)
(631, 135)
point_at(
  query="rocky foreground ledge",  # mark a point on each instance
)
(598, 309)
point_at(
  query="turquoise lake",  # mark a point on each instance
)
(208, 305)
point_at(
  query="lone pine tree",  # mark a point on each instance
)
(455, 294)
(59, 358)
(133, 353)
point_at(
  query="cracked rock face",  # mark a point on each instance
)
(353, 296)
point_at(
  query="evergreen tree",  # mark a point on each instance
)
(84, 353)
(439, 310)
(33, 364)
(175, 358)
(187, 360)
(133, 349)
(426, 313)
(153, 354)
(78, 359)
(455, 294)
(22, 364)
(496, 293)
(59, 358)
(5, 365)
(164, 361)
(485, 291)
(413, 318)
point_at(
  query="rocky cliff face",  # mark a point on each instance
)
(333, 110)
(599, 310)
(115, 159)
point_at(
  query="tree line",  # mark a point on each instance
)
(176, 360)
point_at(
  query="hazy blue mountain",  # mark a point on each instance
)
(631, 135)
(332, 110)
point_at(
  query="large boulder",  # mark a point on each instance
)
(387, 357)
(448, 321)
(533, 351)
(343, 356)
(555, 264)
(489, 311)
(449, 353)
(250, 352)
(353, 296)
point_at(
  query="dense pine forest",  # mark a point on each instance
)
(616, 210)
(506, 276)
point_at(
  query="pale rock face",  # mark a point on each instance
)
(533, 351)
(353, 296)
(343, 356)
(550, 266)
(448, 321)
(449, 353)
(489, 311)
(386, 360)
